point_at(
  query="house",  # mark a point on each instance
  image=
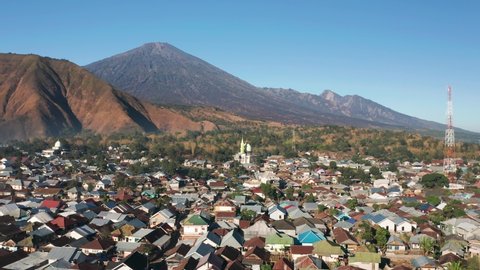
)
(425, 263)
(194, 226)
(211, 239)
(124, 249)
(365, 260)
(98, 246)
(233, 239)
(176, 254)
(328, 251)
(211, 261)
(199, 250)
(67, 254)
(395, 244)
(229, 253)
(283, 264)
(297, 251)
(41, 217)
(162, 216)
(259, 228)
(285, 226)
(255, 257)
(81, 232)
(345, 239)
(277, 213)
(310, 236)
(278, 242)
(417, 239)
(134, 261)
(254, 242)
(453, 246)
(34, 260)
(310, 262)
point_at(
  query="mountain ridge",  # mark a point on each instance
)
(164, 74)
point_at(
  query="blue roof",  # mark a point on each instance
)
(351, 220)
(310, 237)
(342, 216)
(377, 218)
(110, 204)
(424, 207)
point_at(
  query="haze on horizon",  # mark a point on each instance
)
(399, 54)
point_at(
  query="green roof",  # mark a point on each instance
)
(327, 248)
(279, 239)
(27, 242)
(365, 257)
(195, 220)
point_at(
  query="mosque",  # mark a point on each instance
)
(245, 155)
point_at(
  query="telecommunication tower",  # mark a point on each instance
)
(449, 161)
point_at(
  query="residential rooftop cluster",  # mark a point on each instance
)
(309, 212)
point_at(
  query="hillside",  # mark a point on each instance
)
(46, 97)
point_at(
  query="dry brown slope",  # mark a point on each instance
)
(44, 97)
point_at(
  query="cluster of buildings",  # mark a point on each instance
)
(53, 217)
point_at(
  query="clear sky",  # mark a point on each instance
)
(402, 54)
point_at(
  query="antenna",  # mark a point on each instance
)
(294, 141)
(449, 162)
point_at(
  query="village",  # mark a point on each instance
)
(314, 211)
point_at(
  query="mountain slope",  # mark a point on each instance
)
(163, 74)
(46, 97)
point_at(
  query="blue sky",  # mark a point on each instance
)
(402, 54)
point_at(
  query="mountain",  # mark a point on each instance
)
(163, 74)
(46, 97)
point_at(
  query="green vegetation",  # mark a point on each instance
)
(381, 238)
(434, 180)
(248, 214)
(433, 200)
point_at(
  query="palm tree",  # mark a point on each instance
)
(455, 266)
(427, 245)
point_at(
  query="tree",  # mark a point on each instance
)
(367, 233)
(436, 217)
(322, 207)
(381, 238)
(352, 204)
(433, 200)
(289, 193)
(427, 245)
(453, 209)
(433, 180)
(333, 165)
(310, 198)
(458, 173)
(375, 172)
(248, 214)
(269, 191)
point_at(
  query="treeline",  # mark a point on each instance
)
(221, 145)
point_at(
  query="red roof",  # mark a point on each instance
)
(295, 249)
(243, 224)
(217, 184)
(283, 264)
(225, 214)
(99, 244)
(51, 203)
(62, 222)
(255, 242)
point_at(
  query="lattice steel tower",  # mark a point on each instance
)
(449, 161)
